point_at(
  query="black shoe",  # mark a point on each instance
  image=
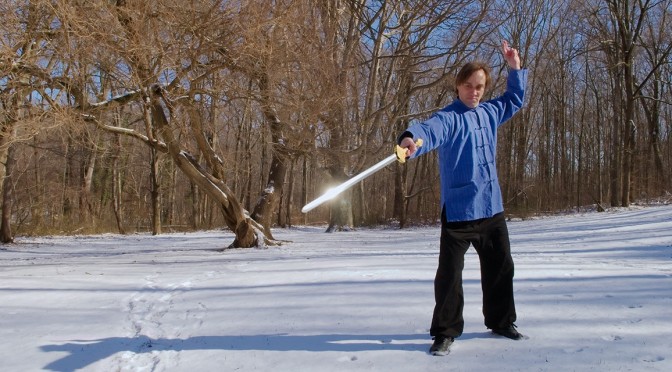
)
(510, 332)
(441, 345)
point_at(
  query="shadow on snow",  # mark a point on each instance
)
(82, 353)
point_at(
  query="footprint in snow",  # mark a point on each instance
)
(612, 338)
(652, 359)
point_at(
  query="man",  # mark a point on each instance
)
(465, 134)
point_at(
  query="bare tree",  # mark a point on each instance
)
(622, 24)
(22, 34)
(533, 26)
(656, 41)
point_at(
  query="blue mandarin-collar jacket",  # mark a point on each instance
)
(466, 140)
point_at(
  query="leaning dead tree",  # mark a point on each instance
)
(248, 232)
(209, 178)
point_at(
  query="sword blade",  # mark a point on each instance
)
(333, 192)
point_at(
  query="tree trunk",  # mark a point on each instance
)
(86, 214)
(615, 166)
(629, 132)
(155, 190)
(270, 196)
(304, 187)
(7, 161)
(400, 192)
(628, 152)
(290, 194)
(117, 188)
(341, 216)
(195, 211)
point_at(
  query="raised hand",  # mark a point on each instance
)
(510, 55)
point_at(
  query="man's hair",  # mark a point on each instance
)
(470, 68)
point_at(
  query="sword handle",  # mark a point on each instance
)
(401, 151)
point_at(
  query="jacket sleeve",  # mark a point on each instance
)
(433, 131)
(513, 99)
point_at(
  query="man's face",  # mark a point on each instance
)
(471, 91)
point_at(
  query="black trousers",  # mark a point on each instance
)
(490, 238)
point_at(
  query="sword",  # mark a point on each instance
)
(399, 155)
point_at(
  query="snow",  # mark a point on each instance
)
(593, 293)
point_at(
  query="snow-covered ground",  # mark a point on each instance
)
(593, 292)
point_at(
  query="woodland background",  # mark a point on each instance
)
(126, 116)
